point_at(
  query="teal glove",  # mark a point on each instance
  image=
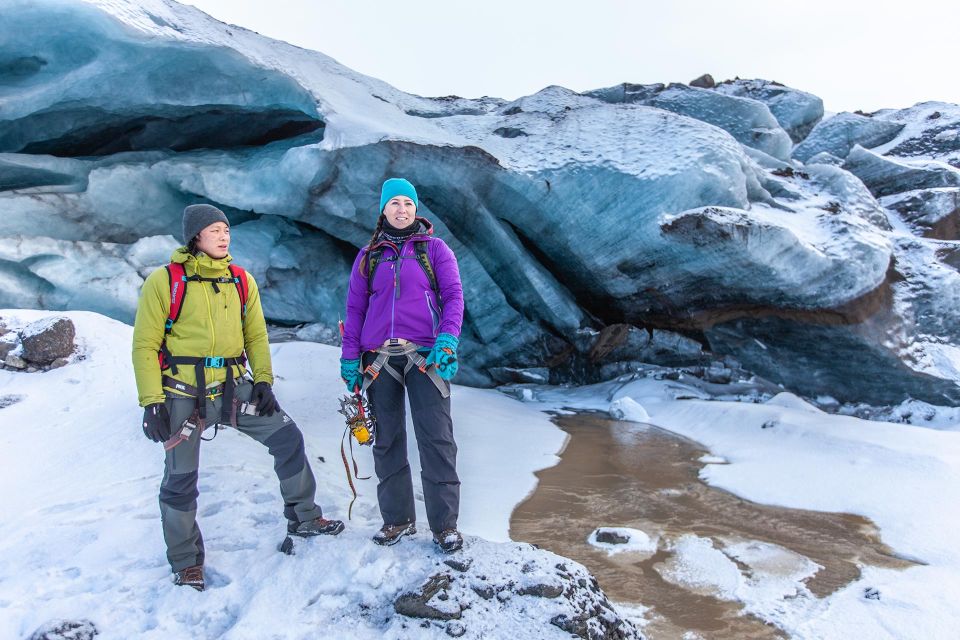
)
(444, 355)
(350, 374)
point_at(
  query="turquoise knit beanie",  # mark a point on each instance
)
(397, 187)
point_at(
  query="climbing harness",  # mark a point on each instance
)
(396, 347)
(178, 280)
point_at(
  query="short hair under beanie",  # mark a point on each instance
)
(397, 187)
(198, 217)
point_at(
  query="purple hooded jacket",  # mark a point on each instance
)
(402, 303)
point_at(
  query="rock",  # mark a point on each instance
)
(611, 537)
(705, 81)
(9, 341)
(66, 630)
(59, 362)
(485, 592)
(841, 133)
(541, 591)
(14, 361)
(48, 339)
(10, 400)
(457, 564)
(414, 605)
(717, 374)
(455, 629)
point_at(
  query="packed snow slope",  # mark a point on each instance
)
(821, 253)
(80, 536)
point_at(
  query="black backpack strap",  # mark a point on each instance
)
(420, 246)
(373, 259)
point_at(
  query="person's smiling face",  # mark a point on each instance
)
(401, 212)
(214, 240)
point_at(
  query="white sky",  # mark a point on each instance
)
(855, 54)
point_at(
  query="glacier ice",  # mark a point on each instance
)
(749, 121)
(74, 82)
(674, 209)
(839, 134)
(885, 175)
(796, 111)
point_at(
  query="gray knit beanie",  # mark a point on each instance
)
(198, 217)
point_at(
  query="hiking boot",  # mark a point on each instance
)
(448, 540)
(315, 527)
(190, 577)
(391, 533)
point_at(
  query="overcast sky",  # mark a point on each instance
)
(855, 54)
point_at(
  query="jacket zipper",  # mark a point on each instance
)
(396, 289)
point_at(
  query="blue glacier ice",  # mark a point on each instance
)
(683, 214)
(839, 134)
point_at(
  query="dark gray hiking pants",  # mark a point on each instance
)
(178, 490)
(433, 428)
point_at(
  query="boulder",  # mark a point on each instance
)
(48, 339)
(705, 81)
(66, 630)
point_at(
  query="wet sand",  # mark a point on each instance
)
(621, 474)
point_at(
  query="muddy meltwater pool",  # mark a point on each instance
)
(623, 474)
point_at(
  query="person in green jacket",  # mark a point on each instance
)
(191, 373)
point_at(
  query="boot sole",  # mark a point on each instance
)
(389, 542)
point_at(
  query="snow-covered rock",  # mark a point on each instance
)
(628, 409)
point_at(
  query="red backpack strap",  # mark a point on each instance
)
(177, 276)
(243, 287)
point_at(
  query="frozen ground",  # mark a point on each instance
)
(80, 530)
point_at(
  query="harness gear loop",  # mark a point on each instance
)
(191, 424)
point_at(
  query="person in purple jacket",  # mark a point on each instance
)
(405, 301)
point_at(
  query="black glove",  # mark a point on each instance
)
(156, 422)
(264, 399)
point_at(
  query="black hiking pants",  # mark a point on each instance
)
(433, 428)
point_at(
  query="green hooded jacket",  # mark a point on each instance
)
(209, 325)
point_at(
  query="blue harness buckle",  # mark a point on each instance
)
(214, 362)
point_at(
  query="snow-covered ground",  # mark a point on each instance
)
(80, 535)
(79, 521)
(786, 452)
